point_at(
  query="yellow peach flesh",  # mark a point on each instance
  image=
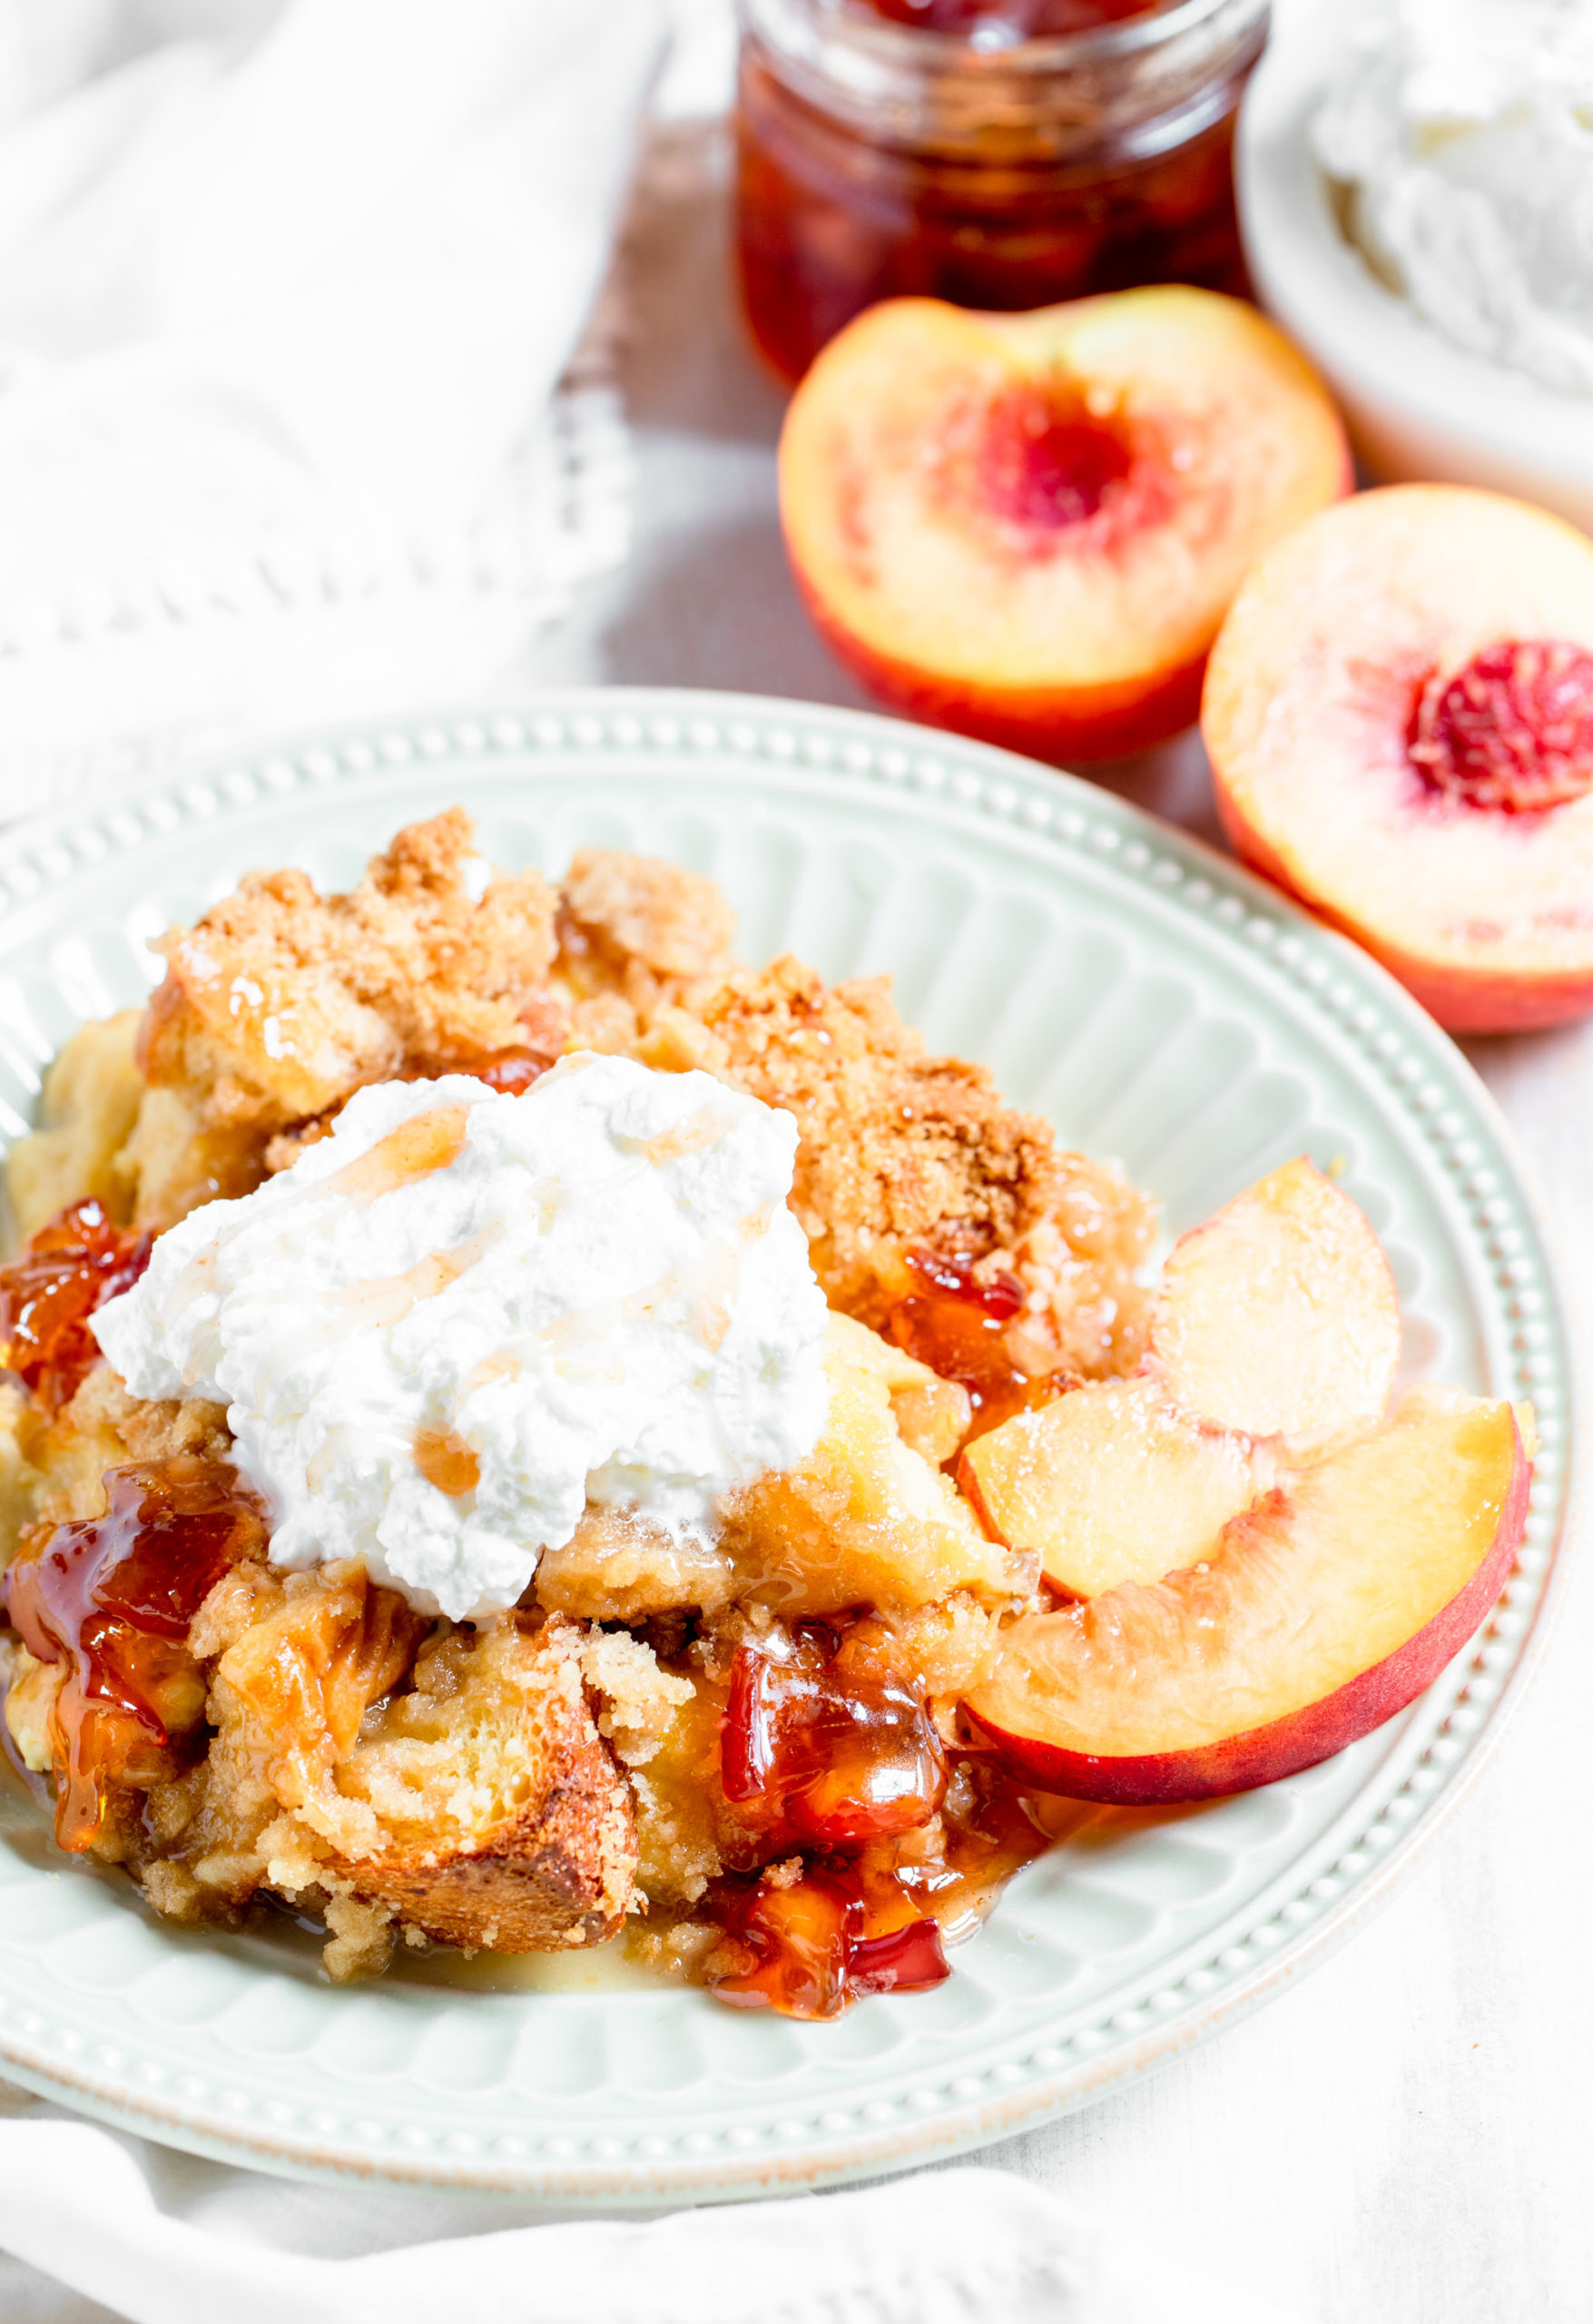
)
(1307, 706)
(1033, 523)
(1279, 1316)
(1109, 1485)
(1323, 1584)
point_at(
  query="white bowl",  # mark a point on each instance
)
(1417, 408)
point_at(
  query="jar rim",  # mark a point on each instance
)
(919, 49)
(898, 86)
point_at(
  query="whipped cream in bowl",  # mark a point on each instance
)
(462, 1316)
(1460, 133)
(1415, 182)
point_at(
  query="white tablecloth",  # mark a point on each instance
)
(1405, 2139)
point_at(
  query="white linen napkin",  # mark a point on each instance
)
(281, 320)
(966, 2246)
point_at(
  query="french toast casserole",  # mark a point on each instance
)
(734, 1740)
(521, 1432)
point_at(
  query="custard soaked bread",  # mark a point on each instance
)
(649, 1452)
(541, 1774)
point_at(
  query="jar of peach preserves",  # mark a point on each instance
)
(967, 150)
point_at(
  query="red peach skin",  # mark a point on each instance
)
(1321, 1612)
(1311, 712)
(1027, 527)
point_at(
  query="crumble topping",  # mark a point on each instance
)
(282, 1002)
(534, 1778)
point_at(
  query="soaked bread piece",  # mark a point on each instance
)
(452, 1781)
(527, 1782)
(104, 1427)
(864, 1519)
(479, 1804)
(282, 1002)
(22, 1480)
(619, 1566)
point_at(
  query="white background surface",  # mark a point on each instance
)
(1408, 2136)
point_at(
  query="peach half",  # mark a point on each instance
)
(1398, 716)
(1276, 1333)
(1319, 1614)
(1028, 527)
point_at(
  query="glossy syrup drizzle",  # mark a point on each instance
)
(113, 1598)
(831, 1755)
(955, 1322)
(509, 1071)
(821, 1751)
(69, 1268)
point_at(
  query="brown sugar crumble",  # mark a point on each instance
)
(556, 1774)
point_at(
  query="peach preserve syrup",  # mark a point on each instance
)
(882, 1835)
(998, 153)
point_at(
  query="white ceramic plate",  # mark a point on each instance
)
(1160, 1005)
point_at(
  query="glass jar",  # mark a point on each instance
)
(876, 158)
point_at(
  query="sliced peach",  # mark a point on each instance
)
(1277, 1320)
(1109, 1485)
(1028, 527)
(1322, 1612)
(1279, 1316)
(1399, 715)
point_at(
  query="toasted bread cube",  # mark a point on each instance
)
(508, 1824)
(465, 1786)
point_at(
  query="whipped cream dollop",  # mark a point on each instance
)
(1462, 132)
(463, 1314)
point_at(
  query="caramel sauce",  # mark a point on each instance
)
(833, 1757)
(386, 1299)
(446, 1461)
(955, 1323)
(820, 1752)
(872, 1921)
(69, 1268)
(698, 1131)
(509, 1071)
(113, 1598)
(425, 1143)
